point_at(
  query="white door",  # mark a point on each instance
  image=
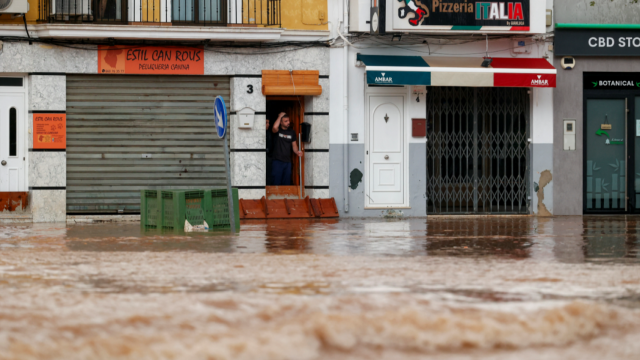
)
(386, 151)
(12, 120)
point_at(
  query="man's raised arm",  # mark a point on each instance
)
(276, 125)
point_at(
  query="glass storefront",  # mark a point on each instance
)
(612, 143)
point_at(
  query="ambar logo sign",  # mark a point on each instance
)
(539, 81)
(383, 79)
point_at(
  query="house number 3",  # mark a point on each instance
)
(249, 89)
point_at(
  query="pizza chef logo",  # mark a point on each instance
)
(539, 82)
(500, 11)
(419, 12)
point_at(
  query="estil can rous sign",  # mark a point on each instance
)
(49, 131)
(158, 60)
(467, 15)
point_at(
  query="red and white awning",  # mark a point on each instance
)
(458, 71)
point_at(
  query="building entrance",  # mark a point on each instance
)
(293, 106)
(612, 152)
(12, 137)
(477, 150)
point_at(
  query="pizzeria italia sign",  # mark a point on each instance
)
(467, 15)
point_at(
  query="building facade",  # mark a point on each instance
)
(104, 99)
(443, 109)
(597, 165)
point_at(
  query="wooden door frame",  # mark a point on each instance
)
(296, 126)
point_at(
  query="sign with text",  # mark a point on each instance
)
(152, 60)
(611, 81)
(49, 131)
(576, 42)
(470, 15)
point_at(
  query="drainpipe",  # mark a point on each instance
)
(345, 105)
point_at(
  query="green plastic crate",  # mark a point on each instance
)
(150, 209)
(178, 206)
(218, 217)
(168, 209)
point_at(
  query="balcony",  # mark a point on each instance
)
(229, 13)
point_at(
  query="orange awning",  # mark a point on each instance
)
(296, 82)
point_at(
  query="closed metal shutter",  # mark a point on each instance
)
(127, 133)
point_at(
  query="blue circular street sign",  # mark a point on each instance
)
(220, 116)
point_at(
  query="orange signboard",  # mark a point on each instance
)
(158, 60)
(49, 131)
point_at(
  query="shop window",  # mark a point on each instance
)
(13, 132)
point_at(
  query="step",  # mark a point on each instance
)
(10, 217)
(84, 219)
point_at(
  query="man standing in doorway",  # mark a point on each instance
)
(284, 142)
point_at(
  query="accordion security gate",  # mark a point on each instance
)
(477, 150)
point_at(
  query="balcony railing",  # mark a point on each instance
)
(163, 12)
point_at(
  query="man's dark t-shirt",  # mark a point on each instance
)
(282, 145)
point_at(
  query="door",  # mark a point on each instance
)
(477, 150)
(12, 120)
(605, 153)
(386, 151)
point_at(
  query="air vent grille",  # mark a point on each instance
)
(5, 4)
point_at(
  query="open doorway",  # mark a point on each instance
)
(293, 106)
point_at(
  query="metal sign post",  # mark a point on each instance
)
(220, 117)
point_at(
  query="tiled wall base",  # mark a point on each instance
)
(49, 205)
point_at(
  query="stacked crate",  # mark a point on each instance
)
(168, 209)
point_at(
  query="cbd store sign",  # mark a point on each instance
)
(581, 42)
(467, 15)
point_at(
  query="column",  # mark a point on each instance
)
(47, 167)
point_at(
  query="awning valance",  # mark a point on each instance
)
(458, 71)
(296, 82)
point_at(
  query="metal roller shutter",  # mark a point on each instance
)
(127, 133)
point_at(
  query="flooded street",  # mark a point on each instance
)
(447, 288)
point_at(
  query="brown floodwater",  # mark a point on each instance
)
(443, 288)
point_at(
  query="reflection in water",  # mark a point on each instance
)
(564, 239)
(287, 237)
(502, 236)
(611, 238)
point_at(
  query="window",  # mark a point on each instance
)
(13, 132)
(9, 81)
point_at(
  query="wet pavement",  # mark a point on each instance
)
(446, 288)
